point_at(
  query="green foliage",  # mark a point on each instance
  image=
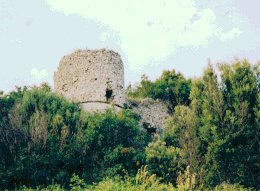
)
(211, 141)
(163, 161)
(143, 90)
(186, 180)
(112, 144)
(141, 182)
(76, 183)
(218, 136)
(228, 124)
(46, 140)
(40, 147)
(231, 187)
(181, 132)
(171, 87)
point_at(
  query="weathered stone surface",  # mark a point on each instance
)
(153, 113)
(96, 79)
(99, 107)
(92, 77)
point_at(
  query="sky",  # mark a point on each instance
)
(150, 35)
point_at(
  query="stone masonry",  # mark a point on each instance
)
(153, 113)
(93, 77)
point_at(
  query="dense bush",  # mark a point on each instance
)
(218, 135)
(141, 182)
(45, 139)
(170, 87)
(163, 160)
(112, 143)
(211, 142)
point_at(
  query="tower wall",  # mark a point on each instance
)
(93, 77)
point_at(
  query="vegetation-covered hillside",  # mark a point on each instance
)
(211, 141)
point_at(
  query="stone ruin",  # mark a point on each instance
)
(153, 113)
(95, 78)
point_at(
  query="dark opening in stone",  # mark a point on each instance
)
(149, 128)
(109, 94)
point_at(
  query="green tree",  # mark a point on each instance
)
(228, 132)
(143, 90)
(113, 144)
(181, 132)
(170, 87)
(163, 160)
(218, 135)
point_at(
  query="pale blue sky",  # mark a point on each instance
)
(149, 35)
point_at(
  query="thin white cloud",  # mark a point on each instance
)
(149, 31)
(235, 32)
(38, 74)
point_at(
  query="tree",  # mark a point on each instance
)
(112, 144)
(218, 135)
(228, 132)
(170, 87)
(163, 160)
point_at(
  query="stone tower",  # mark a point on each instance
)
(95, 78)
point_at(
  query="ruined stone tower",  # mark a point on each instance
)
(93, 77)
